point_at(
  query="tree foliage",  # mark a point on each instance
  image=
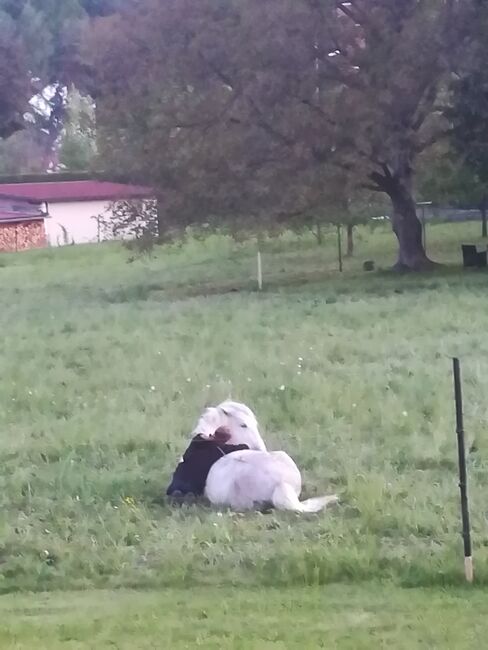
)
(469, 110)
(445, 178)
(77, 147)
(38, 57)
(14, 81)
(135, 219)
(455, 171)
(253, 109)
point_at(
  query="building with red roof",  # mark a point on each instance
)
(79, 208)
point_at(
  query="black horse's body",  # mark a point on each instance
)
(191, 473)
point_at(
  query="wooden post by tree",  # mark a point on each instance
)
(339, 247)
(350, 240)
(483, 210)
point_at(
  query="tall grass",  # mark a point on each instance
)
(106, 364)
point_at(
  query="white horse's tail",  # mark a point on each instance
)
(285, 498)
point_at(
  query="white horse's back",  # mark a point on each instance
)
(243, 480)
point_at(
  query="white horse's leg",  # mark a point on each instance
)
(287, 492)
(285, 498)
(240, 480)
(245, 479)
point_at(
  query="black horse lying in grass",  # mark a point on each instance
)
(191, 473)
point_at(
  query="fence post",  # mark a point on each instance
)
(339, 247)
(463, 479)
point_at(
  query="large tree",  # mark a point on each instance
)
(243, 107)
(38, 56)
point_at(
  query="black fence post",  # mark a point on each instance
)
(463, 479)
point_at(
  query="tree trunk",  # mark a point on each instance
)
(350, 240)
(317, 233)
(407, 228)
(483, 206)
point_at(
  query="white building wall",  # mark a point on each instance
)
(76, 222)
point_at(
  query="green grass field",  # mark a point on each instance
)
(106, 363)
(336, 616)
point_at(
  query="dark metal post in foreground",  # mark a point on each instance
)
(463, 487)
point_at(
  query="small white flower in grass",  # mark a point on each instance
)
(299, 372)
(300, 359)
(249, 379)
(153, 388)
(354, 406)
(282, 363)
(219, 514)
(207, 386)
(404, 414)
(282, 387)
(310, 349)
(188, 379)
(159, 353)
(30, 392)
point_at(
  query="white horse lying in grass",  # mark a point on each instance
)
(243, 479)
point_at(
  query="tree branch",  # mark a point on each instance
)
(319, 111)
(206, 123)
(386, 171)
(276, 135)
(224, 77)
(345, 8)
(381, 182)
(347, 77)
(432, 139)
(371, 188)
(425, 106)
(359, 17)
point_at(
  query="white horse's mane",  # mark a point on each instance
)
(238, 409)
(237, 418)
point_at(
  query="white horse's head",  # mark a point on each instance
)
(236, 419)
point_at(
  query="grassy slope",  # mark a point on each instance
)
(106, 364)
(334, 617)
